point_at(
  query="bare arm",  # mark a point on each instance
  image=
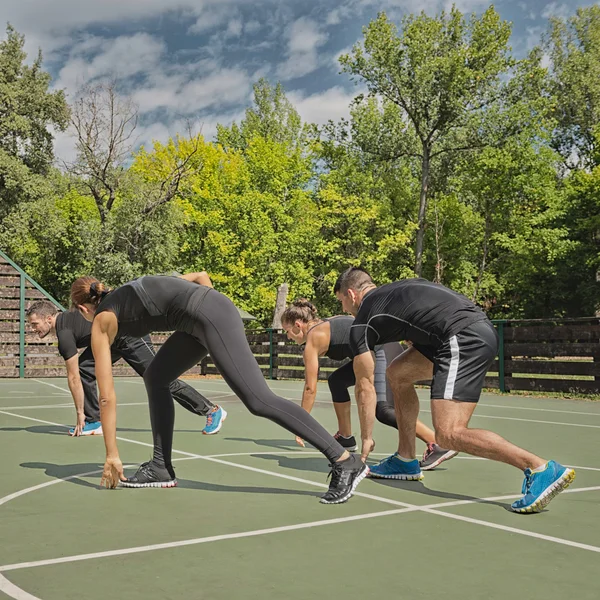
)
(104, 330)
(76, 387)
(311, 376)
(366, 399)
(201, 278)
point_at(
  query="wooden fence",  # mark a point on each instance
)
(561, 355)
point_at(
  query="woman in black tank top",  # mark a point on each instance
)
(331, 338)
(204, 321)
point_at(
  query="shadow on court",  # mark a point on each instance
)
(299, 463)
(240, 489)
(63, 471)
(286, 444)
(418, 488)
(319, 464)
(46, 429)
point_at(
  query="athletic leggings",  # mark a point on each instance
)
(138, 354)
(213, 326)
(343, 378)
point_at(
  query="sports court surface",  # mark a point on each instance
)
(245, 521)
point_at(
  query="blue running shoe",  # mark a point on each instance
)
(540, 488)
(394, 468)
(93, 428)
(214, 421)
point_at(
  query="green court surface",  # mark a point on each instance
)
(245, 521)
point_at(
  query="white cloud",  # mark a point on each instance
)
(210, 19)
(304, 37)
(319, 108)
(252, 26)
(234, 28)
(335, 61)
(224, 87)
(118, 58)
(49, 27)
(64, 147)
(532, 38)
(527, 10)
(556, 9)
(334, 17)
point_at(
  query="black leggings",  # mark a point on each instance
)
(212, 325)
(343, 378)
(138, 354)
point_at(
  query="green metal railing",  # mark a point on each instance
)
(24, 278)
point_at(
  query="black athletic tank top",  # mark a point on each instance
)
(339, 341)
(152, 303)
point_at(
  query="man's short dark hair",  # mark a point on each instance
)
(352, 278)
(42, 308)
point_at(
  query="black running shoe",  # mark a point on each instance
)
(345, 476)
(151, 475)
(347, 443)
(435, 456)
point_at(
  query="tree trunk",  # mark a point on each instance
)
(422, 210)
(483, 264)
(439, 263)
(282, 292)
(598, 281)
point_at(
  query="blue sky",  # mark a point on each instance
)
(198, 59)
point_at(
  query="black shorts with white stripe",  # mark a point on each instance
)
(461, 363)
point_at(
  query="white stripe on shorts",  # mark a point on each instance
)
(453, 371)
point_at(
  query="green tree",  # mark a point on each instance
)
(506, 249)
(54, 238)
(28, 112)
(577, 286)
(442, 86)
(272, 117)
(574, 49)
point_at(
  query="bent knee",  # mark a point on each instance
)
(398, 373)
(383, 412)
(449, 437)
(152, 377)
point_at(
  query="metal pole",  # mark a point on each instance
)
(22, 327)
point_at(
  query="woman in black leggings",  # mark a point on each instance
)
(204, 321)
(331, 338)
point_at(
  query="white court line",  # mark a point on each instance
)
(66, 405)
(51, 385)
(312, 524)
(39, 406)
(476, 414)
(411, 508)
(214, 538)
(11, 590)
(360, 494)
(430, 508)
(70, 404)
(284, 389)
(552, 410)
(53, 397)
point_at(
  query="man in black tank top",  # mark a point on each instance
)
(74, 332)
(454, 344)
